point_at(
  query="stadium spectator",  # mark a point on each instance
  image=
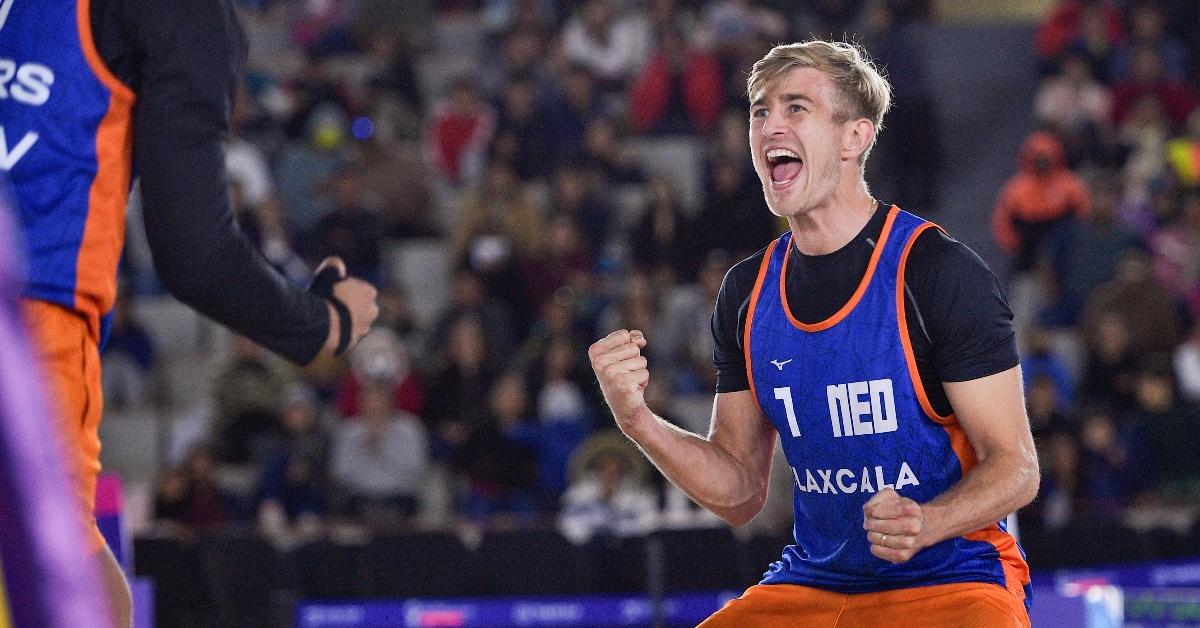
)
(1041, 197)
(1176, 250)
(678, 91)
(1165, 434)
(608, 495)
(1187, 366)
(351, 231)
(460, 128)
(1083, 255)
(1092, 26)
(577, 194)
(381, 357)
(1077, 107)
(521, 137)
(1040, 360)
(247, 395)
(1045, 410)
(1147, 27)
(129, 358)
(469, 297)
(662, 243)
(379, 459)
(565, 259)
(606, 153)
(572, 108)
(499, 458)
(291, 492)
(611, 44)
(453, 411)
(189, 499)
(394, 182)
(1058, 497)
(1110, 374)
(1106, 475)
(1146, 78)
(1152, 316)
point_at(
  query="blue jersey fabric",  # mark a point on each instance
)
(843, 398)
(66, 149)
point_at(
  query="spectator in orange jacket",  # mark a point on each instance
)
(1043, 195)
(679, 91)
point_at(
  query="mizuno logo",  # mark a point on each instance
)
(779, 365)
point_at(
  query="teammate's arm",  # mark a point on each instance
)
(728, 471)
(190, 55)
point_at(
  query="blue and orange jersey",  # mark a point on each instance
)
(66, 137)
(853, 418)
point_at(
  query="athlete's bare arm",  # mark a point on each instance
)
(728, 471)
(992, 413)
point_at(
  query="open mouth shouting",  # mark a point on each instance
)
(784, 166)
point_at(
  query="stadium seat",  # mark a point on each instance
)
(421, 565)
(244, 572)
(535, 562)
(182, 597)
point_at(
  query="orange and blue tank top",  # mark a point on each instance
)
(66, 147)
(846, 399)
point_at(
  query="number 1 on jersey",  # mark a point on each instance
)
(784, 394)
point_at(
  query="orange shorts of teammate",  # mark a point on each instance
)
(974, 604)
(70, 361)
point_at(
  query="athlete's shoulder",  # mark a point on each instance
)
(739, 279)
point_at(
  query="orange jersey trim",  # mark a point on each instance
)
(1016, 570)
(88, 45)
(104, 228)
(758, 284)
(858, 293)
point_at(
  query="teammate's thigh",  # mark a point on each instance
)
(70, 362)
(782, 605)
(978, 605)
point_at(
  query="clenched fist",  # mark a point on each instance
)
(621, 368)
(895, 526)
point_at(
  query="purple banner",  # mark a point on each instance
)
(678, 610)
(50, 582)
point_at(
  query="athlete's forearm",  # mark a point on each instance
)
(997, 486)
(709, 474)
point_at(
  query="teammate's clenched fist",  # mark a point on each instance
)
(621, 368)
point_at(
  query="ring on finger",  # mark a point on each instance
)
(883, 539)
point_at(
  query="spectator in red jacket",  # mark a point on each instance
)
(1147, 78)
(679, 90)
(1043, 195)
(1094, 26)
(460, 130)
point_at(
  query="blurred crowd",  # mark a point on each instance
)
(1102, 222)
(525, 139)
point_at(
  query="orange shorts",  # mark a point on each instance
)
(974, 604)
(70, 362)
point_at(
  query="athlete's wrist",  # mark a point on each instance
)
(638, 423)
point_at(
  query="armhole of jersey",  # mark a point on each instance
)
(905, 341)
(83, 17)
(758, 283)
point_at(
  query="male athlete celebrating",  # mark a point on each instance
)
(882, 353)
(88, 89)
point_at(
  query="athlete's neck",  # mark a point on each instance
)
(830, 226)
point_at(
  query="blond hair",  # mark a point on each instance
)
(863, 92)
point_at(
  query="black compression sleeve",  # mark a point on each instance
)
(190, 53)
